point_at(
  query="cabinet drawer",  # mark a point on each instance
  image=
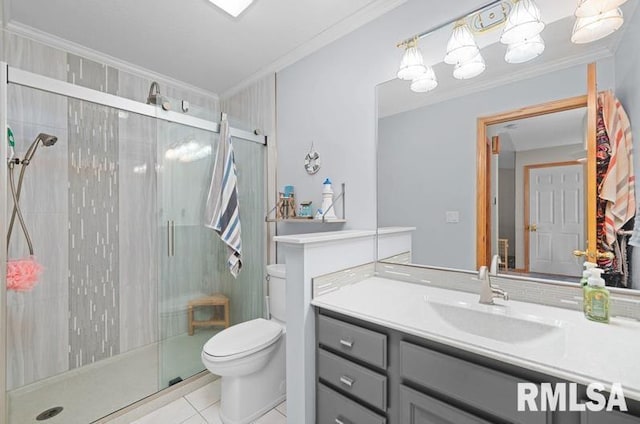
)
(482, 388)
(334, 408)
(418, 408)
(357, 342)
(361, 382)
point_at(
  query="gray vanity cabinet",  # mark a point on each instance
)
(369, 374)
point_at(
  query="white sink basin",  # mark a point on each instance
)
(494, 322)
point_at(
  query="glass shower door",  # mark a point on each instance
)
(193, 258)
(185, 158)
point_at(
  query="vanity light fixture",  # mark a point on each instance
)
(525, 50)
(523, 23)
(592, 28)
(469, 69)
(425, 82)
(232, 7)
(462, 46)
(412, 63)
(588, 8)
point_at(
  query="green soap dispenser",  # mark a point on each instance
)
(597, 297)
(584, 282)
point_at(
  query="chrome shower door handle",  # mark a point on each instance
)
(173, 238)
(168, 238)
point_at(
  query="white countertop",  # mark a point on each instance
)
(577, 349)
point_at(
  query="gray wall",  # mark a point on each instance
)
(329, 98)
(427, 161)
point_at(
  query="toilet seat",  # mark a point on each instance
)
(242, 340)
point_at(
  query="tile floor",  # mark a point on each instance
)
(201, 407)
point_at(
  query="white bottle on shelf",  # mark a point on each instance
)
(327, 200)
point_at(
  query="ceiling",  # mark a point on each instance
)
(550, 130)
(395, 96)
(194, 41)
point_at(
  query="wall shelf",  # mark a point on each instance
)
(313, 220)
(308, 221)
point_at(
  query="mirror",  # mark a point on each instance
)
(428, 161)
(538, 193)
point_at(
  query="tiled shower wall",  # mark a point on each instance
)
(85, 221)
(93, 218)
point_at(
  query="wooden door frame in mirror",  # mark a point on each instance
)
(483, 153)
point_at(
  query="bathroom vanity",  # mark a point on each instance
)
(391, 352)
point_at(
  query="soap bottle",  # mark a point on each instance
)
(327, 200)
(597, 297)
(584, 283)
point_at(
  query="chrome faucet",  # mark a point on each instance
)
(487, 292)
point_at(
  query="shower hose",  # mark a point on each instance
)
(15, 193)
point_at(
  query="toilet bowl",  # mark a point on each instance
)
(250, 359)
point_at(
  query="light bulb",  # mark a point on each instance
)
(469, 69)
(523, 23)
(425, 82)
(592, 28)
(461, 46)
(412, 64)
(524, 51)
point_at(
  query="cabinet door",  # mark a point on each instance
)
(612, 417)
(417, 408)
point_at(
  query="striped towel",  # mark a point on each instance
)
(618, 185)
(221, 211)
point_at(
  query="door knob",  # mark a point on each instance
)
(533, 228)
(579, 253)
(599, 255)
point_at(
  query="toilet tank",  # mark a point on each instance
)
(276, 275)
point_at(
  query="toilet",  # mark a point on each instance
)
(250, 359)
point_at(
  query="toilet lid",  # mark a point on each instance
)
(249, 336)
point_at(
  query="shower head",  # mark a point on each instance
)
(46, 139)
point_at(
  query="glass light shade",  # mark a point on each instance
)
(425, 82)
(412, 64)
(523, 23)
(592, 28)
(469, 69)
(524, 51)
(595, 7)
(461, 46)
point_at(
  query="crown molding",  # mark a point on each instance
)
(347, 25)
(56, 42)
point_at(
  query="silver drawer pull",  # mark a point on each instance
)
(347, 381)
(346, 343)
(341, 420)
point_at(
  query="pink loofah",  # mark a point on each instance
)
(22, 274)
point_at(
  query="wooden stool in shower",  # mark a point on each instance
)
(216, 301)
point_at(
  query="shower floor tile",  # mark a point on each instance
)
(90, 392)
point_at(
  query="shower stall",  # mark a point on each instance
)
(115, 213)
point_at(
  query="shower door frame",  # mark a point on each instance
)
(12, 75)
